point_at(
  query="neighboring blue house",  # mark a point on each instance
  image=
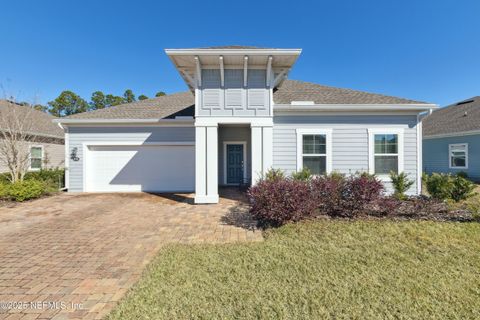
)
(451, 139)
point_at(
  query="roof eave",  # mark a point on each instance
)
(213, 52)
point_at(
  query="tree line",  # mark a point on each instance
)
(68, 102)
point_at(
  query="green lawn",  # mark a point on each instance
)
(317, 270)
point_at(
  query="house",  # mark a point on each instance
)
(44, 139)
(451, 139)
(240, 117)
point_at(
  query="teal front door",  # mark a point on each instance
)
(235, 165)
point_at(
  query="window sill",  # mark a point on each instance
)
(384, 178)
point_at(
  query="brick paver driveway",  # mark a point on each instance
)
(74, 256)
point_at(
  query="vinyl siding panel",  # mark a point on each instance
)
(54, 152)
(349, 141)
(436, 157)
(80, 135)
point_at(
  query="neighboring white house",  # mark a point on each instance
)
(240, 118)
(46, 140)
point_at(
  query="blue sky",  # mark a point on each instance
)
(424, 50)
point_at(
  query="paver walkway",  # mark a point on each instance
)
(74, 256)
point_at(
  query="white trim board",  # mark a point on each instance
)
(245, 166)
(322, 131)
(453, 134)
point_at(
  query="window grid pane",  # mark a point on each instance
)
(316, 164)
(386, 143)
(385, 164)
(36, 163)
(314, 144)
(36, 152)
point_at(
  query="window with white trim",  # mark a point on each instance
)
(314, 150)
(36, 157)
(314, 153)
(458, 155)
(385, 151)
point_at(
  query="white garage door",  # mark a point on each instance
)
(140, 168)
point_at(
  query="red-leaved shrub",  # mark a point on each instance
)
(276, 202)
(327, 191)
(360, 190)
(340, 196)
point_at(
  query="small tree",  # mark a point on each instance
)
(16, 135)
(112, 100)
(142, 97)
(67, 103)
(128, 96)
(159, 94)
(98, 101)
(401, 183)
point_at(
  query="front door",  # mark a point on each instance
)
(235, 163)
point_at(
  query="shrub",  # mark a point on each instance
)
(336, 195)
(462, 174)
(445, 186)
(461, 188)
(327, 192)
(439, 185)
(360, 190)
(24, 190)
(401, 184)
(276, 202)
(274, 175)
(474, 208)
(53, 177)
(303, 175)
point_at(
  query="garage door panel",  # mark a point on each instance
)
(140, 168)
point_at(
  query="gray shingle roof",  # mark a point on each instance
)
(170, 105)
(155, 108)
(293, 90)
(458, 117)
(42, 124)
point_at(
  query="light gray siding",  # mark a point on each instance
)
(234, 99)
(231, 133)
(349, 141)
(53, 155)
(436, 157)
(145, 134)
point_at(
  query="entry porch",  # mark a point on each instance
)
(230, 153)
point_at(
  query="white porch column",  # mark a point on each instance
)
(267, 144)
(200, 164)
(206, 164)
(257, 154)
(212, 165)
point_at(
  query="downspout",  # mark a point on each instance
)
(67, 158)
(420, 117)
